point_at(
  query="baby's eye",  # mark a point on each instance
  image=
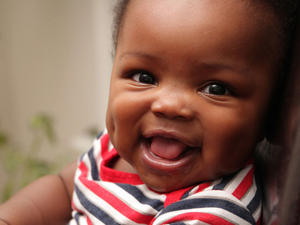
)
(143, 77)
(216, 89)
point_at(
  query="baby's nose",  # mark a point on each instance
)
(173, 105)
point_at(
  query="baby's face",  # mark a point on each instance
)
(190, 86)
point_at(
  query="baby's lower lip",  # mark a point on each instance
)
(163, 165)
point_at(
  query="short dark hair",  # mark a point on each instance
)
(119, 11)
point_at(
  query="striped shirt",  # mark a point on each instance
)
(105, 196)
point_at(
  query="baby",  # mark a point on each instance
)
(191, 89)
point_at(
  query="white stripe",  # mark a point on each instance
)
(72, 221)
(246, 199)
(238, 178)
(194, 222)
(151, 194)
(110, 146)
(213, 184)
(82, 218)
(128, 199)
(257, 213)
(77, 174)
(97, 147)
(97, 150)
(87, 163)
(193, 190)
(222, 213)
(94, 219)
(219, 194)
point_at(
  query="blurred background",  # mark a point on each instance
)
(55, 64)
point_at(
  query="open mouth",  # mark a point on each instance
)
(167, 154)
(166, 148)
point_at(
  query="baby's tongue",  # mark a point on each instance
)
(166, 148)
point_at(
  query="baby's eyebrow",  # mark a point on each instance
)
(223, 66)
(138, 54)
(150, 59)
(210, 65)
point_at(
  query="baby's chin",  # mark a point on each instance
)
(166, 188)
(167, 184)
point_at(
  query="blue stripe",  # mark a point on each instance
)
(77, 215)
(139, 196)
(178, 223)
(94, 210)
(186, 194)
(208, 203)
(81, 157)
(254, 203)
(100, 134)
(223, 183)
(94, 168)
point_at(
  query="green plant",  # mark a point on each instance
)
(21, 167)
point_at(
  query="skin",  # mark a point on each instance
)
(187, 75)
(28, 206)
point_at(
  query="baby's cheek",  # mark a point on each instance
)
(229, 138)
(114, 117)
(121, 111)
(118, 117)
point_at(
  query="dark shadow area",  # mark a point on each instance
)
(279, 159)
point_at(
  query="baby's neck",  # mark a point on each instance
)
(122, 165)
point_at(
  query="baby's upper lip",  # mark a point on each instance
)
(173, 134)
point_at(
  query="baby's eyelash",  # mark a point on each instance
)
(215, 88)
(142, 77)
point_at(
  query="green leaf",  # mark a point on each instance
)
(43, 123)
(3, 139)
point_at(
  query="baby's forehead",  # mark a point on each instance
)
(194, 21)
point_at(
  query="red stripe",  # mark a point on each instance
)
(175, 196)
(244, 186)
(116, 176)
(83, 168)
(259, 220)
(109, 174)
(203, 186)
(203, 217)
(112, 199)
(89, 222)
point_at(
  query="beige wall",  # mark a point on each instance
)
(54, 58)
